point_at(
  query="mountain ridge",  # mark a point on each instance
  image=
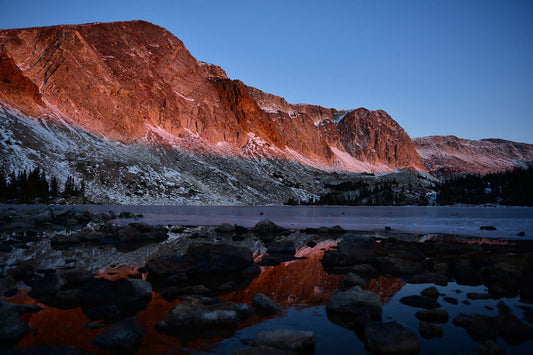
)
(450, 154)
(122, 79)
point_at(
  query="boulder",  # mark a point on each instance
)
(124, 336)
(268, 231)
(398, 266)
(511, 328)
(225, 228)
(18, 308)
(12, 327)
(76, 277)
(283, 247)
(169, 265)
(265, 305)
(170, 293)
(420, 302)
(46, 288)
(350, 280)
(353, 250)
(432, 315)
(221, 257)
(287, 339)
(210, 265)
(99, 297)
(354, 307)
(390, 338)
(197, 317)
(428, 277)
(478, 326)
(431, 292)
(430, 330)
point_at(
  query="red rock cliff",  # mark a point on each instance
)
(123, 80)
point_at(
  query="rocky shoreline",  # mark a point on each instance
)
(205, 281)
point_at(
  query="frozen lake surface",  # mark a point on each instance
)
(463, 221)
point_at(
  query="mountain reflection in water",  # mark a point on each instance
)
(297, 284)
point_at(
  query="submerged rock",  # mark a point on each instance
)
(430, 330)
(431, 292)
(210, 265)
(126, 335)
(432, 315)
(390, 338)
(477, 296)
(18, 308)
(287, 339)
(354, 307)
(352, 250)
(265, 305)
(197, 317)
(104, 299)
(506, 325)
(479, 326)
(420, 301)
(12, 327)
(511, 328)
(350, 280)
(488, 347)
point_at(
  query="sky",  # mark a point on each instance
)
(454, 67)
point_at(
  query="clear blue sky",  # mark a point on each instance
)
(438, 67)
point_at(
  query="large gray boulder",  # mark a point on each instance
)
(354, 307)
(197, 317)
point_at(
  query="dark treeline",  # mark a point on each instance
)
(35, 187)
(359, 193)
(512, 188)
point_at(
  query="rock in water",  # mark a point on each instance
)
(420, 302)
(265, 305)
(432, 315)
(351, 280)
(429, 330)
(354, 308)
(12, 327)
(390, 338)
(126, 335)
(431, 292)
(287, 339)
(511, 328)
(197, 317)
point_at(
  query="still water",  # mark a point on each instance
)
(463, 221)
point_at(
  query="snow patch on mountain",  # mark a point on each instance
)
(346, 161)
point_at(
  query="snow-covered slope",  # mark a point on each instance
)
(144, 173)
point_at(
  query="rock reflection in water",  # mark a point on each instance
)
(300, 283)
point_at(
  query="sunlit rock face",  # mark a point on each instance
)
(361, 135)
(449, 154)
(135, 82)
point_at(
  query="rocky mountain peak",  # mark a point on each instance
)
(135, 82)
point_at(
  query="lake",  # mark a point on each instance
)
(463, 221)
